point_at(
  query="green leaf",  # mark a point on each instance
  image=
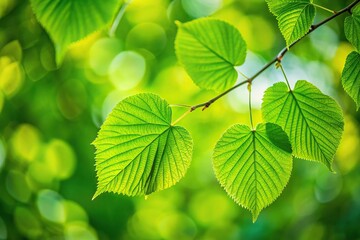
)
(209, 49)
(294, 17)
(351, 77)
(253, 166)
(138, 151)
(352, 27)
(312, 120)
(68, 21)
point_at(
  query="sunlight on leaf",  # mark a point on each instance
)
(294, 17)
(352, 27)
(138, 151)
(312, 120)
(351, 77)
(209, 49)
(253, 166)
(68, 21)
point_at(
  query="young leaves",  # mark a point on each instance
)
(351, 74)
(352, 27)
(351, 77)
(68, 21)
(138, 151)
(209, 49)
(294, 17)
(253, 166)
(312, 120)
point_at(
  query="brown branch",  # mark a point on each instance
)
(278, 58)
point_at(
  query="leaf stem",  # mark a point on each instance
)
(242, 74)
(283, 72)
(324, 8)
(180, 105)
(181, 117)
(118, 18)
(250, 110)
(278, 58)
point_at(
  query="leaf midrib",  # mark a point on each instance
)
(297, 20)
(253, 132)
(141, 152)
(307, 124)
(208, 48)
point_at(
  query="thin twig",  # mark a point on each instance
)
(118, 18)
(278, 58)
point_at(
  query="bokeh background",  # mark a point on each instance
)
(49, 116)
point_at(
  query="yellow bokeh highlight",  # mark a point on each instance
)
(252, 28)
(13, 50)
(348, 153)
(59, 158)
(177, 225)
(342, 52)
(147, 11)
(77, 49)
(74, 212)
(203, 201)
(11, 76)
(26, 143)
(38, 176)
(75, 231)
(101, 53)
(6, 6)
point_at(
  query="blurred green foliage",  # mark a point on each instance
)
(49, 115)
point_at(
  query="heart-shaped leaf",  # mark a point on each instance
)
(68, 21)
(351, 77)
(294, 17)
(253, 166)
(138, 151)
(352, 27)
(312, 120)
(209, 49)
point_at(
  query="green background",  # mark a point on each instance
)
(49, 116)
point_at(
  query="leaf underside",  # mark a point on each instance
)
(352, 27)
(312, 120)
(209, 49)
(294, 17)
(138, 151)
(68, 21)
(253, 166)
(351, 77)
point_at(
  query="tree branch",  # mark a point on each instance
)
(278, 58)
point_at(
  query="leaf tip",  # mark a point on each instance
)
(255, 216)
(97, 193)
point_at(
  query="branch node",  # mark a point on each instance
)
(276, 60)
(278, 63)
(207, 105)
